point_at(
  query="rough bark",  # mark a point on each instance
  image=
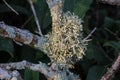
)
(51, 73)
(56, 12)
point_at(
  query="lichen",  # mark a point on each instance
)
(64, 46)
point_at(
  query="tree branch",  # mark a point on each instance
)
(21, 36)
(51, 73)
(56, 12)
(9, 75)
(111, 2)
(111, 71)
(54, 72)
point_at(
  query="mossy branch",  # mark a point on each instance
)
(21, 36)
(51, 73)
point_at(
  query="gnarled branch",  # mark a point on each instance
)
(51, 73)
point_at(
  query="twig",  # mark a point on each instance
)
(36, 19)
(51, 73)
(11, 7)
(111, 71)
(27, 21)
(89, 35)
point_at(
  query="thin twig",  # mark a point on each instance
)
(11, 7)
(89, 35)
(36, 19)
(27, 21)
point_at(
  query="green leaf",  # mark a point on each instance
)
(113, 44)
(28, 53)
(27, 74)
(68, 6)
(35, 75)
(90, 52)
(7, 45)
(43, 13)
(117, 23)
(85, 63)
(31, 75)
(108, 22)
(81, 7)
(4, 8)
(95, 52)
(38, 54)
(95, 72)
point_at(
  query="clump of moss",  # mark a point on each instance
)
(65, 46)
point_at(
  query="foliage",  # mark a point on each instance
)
(102, 49)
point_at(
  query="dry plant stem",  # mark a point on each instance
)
(56, 12)
(22, 36)
(111, 2)
(35, 15)
(89, 35)
(49, 72)
(111, 71)
(11, 7)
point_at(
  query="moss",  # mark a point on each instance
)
(64, 46)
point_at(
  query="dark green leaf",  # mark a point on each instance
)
(6, 45)
(31, 75)
(95, 73)
(113, 44)
(28, 53)
(28, 74)
(117, 23)
(69, 6)
(4, 8)
(43, 13)
(35, 75)
(108, 22)
(85, 63)
(95, 52)
(81, 7)
(38, 55)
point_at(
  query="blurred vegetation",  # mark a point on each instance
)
(103, 49)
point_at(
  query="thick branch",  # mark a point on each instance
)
(22, 36)
(51, 73)
(111, 71)
(111, 2)
(9, 75)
